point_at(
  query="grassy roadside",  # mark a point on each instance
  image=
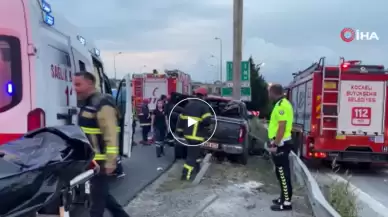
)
(341, 196)
(343, 199)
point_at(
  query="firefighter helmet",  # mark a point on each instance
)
(201, 90)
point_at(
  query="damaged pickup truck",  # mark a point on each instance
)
(231, 137)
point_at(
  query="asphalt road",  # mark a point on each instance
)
(141, 169)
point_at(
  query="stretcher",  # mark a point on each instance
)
(67, 193)
(40, 172)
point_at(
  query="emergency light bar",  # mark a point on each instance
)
(9, 88)
(362, 69)
(46, 7)
(96, 52)
(48, 19)
(81, 39)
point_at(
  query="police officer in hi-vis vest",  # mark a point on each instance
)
(98, 118)
(279, 133)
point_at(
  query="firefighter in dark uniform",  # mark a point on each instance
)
(98, 118)
(145, 121)
(196, 134)
(279, 133)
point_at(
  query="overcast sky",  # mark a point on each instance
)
(287, 35)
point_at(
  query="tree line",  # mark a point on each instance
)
(260, 101)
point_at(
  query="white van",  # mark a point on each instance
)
(39, 53)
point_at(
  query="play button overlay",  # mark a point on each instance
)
(191, 122)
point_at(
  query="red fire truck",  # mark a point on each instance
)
(152, 85)
(340, 112)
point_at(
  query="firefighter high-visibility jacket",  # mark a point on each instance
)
(200, 112)
(145, 116)
(98, 118)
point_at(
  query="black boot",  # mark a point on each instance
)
(277, 201)
(162, 150)
(282, 207)
(158, 150)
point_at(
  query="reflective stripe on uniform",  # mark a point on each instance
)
(196, 138)
(112, 149)
(184, 117)
(99, 157)
(195, 118)
(193, 135)
(189, 170)
(91, 130)
(205, 115)
(145, 124)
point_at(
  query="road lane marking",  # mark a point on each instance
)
(374, 204)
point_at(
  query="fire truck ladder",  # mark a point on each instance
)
(334, 78)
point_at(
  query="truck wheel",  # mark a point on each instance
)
(253, 147)
(243, 158)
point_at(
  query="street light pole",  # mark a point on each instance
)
(237, 47)
(217, 38)
(114, 64)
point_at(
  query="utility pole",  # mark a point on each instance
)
(237, 47)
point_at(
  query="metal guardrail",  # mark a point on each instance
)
(319, 204)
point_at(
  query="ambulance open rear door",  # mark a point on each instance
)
(124, 104)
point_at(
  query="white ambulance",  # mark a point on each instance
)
(39, 53)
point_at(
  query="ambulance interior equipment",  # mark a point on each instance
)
(44, 165)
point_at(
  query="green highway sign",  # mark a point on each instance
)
(245, 92)
(245, 81)
(245, 71)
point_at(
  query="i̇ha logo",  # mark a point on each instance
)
(349, 34)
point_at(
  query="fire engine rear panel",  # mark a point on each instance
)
(361, 108)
